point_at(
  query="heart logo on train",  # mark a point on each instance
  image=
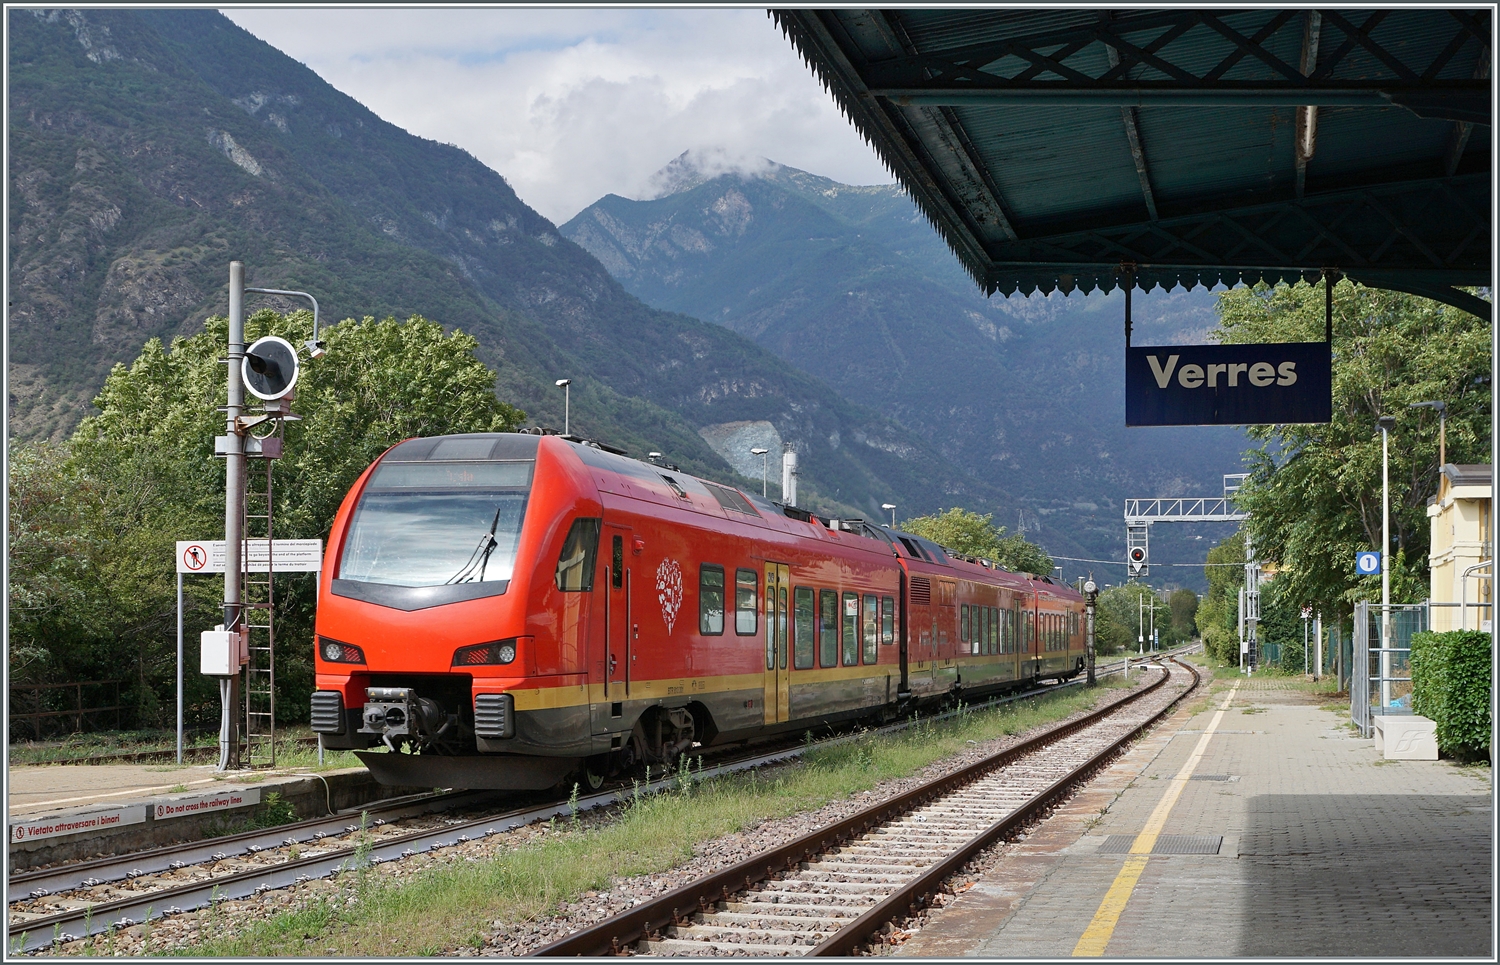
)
(669, 591)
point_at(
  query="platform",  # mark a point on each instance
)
(60, 812)
(1279, 833)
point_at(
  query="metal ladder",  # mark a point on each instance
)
(259, 611)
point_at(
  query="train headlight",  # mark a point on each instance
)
(335, 651)
(486, 654)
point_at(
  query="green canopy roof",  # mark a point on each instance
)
(1072, 149)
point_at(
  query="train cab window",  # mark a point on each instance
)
(575, 564)
(887, 620)
(617, 562)
(803, 617)
(851, 629)
(711, 599)
(828, 629)
(872, 627)
(745, 585)
(963, 622)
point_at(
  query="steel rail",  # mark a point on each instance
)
(98, 918)
(118, 867)
(904, 899)
(610, 936)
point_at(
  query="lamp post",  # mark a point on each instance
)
(892, 508)
(1140, 624)
(1387, 423)
(1090, 596)
(566, 386)
(763, 467)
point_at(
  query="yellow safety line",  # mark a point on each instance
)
(1097, 935)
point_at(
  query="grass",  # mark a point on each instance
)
(381, 918)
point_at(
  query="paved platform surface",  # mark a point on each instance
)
(1326, 850)
(77, 787)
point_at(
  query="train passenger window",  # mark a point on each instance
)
(828, 629)
(711, 599)
(745, 584)
(963, 623)
(802, 628)
(887, 620)
(575, 564)
(872, 627)
(851, 629)
(781, 627)
(984, 637)
(771, 618)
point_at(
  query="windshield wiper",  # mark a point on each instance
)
(480, 557)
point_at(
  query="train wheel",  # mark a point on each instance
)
(594, 772)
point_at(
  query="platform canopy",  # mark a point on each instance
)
(1072, 149)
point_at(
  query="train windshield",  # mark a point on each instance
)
(438, 523)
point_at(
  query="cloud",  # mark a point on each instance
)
(570, 105)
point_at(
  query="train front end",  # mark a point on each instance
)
(427, 635)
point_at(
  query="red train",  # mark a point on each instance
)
(508, 610)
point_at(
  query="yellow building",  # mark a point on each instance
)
(1460, 515)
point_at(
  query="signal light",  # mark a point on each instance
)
(335, 651)
(269, 368)
(1137, 555)
(486, 654)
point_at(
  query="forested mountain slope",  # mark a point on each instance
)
(151, 147)
(853, 286)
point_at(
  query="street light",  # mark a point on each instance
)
(1442, 411)
(565, 385)
(1386, 423)
(892, 508)
(763, 467)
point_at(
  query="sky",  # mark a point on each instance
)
(571, 105)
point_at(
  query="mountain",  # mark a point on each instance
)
(148, 148)
(851, 285)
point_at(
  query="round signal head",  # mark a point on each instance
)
(1137, 555)
(269, 368)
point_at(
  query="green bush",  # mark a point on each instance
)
(1450, 674)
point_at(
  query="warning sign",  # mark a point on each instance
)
(289, 556)
(218, 801)
(59, 824)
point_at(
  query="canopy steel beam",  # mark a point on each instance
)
(1197, 509)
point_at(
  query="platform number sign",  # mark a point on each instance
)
(1367, 563)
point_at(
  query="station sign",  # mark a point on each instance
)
(1367, 563)
(286, 556)
(1282, 383)
(55, 825)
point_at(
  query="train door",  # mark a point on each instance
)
(778, 676)
(616, 628)
(902, 616)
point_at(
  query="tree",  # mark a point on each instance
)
(1118, 621)
(1184, 604)
(1314, 494)
(970, 534)
(1218, 614)
(141, 474)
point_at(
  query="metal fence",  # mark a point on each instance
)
(48, 709)
(1380, 680)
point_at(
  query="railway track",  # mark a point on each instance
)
(830, 892)
(77, 900)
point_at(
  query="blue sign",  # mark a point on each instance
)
(1283, 383)
(1367, 563)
